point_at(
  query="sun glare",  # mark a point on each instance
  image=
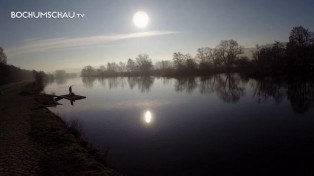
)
(148, 116)
(141, 19)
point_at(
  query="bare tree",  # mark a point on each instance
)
(228, 51)
(131, 66)
(122, 67)
(144, 63)
(190, 63)
(88, 71)
(163, 65)
(204, 55)
(184, 62)
(207, 57)
(178, 60)
(300, 37)
(300, 47)
(112, 67)
(3, 57)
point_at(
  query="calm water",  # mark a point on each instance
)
(218, 125)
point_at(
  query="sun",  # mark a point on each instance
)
(141, 19)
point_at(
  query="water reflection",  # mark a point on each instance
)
(185, 84)
(301, 96)
(269, 88)
(88, 81)
(148, 117)
(300, 93)
(143, 83)
(230, 88)
(207, 84)
(61, 80)
(196, 120)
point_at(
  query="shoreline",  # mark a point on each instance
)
(58, 151)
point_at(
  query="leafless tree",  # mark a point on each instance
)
(144, 63)
(228, 51)
(3, 57)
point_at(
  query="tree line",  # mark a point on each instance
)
(10, 73)
(296, 56)
(225, 55)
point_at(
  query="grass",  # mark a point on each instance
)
(63, 151)
(66, 152)
(75, 128)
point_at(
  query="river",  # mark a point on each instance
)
(219, 125)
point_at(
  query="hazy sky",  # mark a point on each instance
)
(106, 33)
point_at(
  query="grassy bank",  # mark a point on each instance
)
(58, 150)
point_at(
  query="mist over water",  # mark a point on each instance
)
(220, 124)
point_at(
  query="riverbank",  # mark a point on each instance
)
(34, 141)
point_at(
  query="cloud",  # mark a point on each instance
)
(33, 46)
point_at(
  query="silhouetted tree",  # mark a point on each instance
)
(204, 56)
(270, 59)
(112, 67)
(190, 63)
(260, 57)
(101, 71)
(207, 57)
(300, 48)
(3, 57)
(39, 76)
(144, 63)
(88, 71)
(300, 38)
(163, 65)
(122, 67)
(228, 51)
(184, 63)
(131, 66)
(178, 60)
(243, 61)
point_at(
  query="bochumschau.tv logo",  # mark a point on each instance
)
(45, 15)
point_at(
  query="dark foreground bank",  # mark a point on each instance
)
(34, 141)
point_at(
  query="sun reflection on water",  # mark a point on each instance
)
(148, 117)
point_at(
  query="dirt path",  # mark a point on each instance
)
(19, 154)
(34, 141)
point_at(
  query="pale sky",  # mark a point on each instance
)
(106, 33)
